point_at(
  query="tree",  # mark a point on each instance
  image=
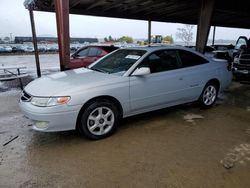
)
(106, 39)
(111, 39)
(168, 40)
(6, 39)
(185, 34)
(126, 39)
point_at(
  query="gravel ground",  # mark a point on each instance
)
(182, 146)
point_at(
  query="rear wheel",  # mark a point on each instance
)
(209, 95)
(99, 120)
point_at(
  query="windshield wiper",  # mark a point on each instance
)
(98, 70)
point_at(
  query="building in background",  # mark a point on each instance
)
(21, 39)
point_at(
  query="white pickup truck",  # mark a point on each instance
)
(241, 62)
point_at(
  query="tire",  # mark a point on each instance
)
(209, 95)
(99, 120)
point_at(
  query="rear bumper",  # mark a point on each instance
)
(51, 119)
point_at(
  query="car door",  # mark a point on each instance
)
(195, 72)
(164, 85)
(79, 58)
(241, 43)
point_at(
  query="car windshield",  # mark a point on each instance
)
(118, 62)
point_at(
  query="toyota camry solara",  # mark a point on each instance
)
(124, 83)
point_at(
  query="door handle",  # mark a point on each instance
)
(181, 78)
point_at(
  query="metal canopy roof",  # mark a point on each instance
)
(227, 13)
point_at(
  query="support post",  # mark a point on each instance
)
(204, 23)
(149, 33)
(62, 19)
(20, 79)
(33, 29)
(214, 35)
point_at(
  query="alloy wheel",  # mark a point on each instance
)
(100, 121)
(209, 95)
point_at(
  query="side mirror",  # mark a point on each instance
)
(141, 71)
(74, 56)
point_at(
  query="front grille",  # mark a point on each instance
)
(245, 56)
(241, 66)
(245, 61)
(25, 97)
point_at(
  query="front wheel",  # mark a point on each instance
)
(209, 95)
(99, 120)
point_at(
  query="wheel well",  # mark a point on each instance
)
(215, 81)
(104, 97)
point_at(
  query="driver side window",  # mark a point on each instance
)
(83, 53)
(240, 43)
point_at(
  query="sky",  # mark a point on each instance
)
(14, 18)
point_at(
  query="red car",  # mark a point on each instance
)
(88, 55)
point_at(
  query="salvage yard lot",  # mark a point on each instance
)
(182, 146)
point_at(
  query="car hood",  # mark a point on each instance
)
(67, 81)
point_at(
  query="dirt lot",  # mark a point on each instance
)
(181, 146)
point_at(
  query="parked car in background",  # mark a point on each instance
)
(241, 63)
(17, 49)
(214, 52)
(221, 54)
(208, 50)
(126, 82)
(76, 46)
(88, 55)
(228, 48)
(8, 49)
(42, 48)
(29, 49)
(223, 47)
(73, 49)
(2, 49)
(5, 49)
(52, 49)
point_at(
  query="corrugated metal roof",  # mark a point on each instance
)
(226, 13)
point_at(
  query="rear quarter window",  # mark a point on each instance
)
(189, 59)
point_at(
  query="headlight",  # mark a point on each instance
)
(49, 101)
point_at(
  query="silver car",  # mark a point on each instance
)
(124, 83)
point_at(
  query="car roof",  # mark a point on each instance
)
(103, 46)
(151, 49)
(157, 47)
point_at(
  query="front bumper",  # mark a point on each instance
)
(241, 73)
(51, 119)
